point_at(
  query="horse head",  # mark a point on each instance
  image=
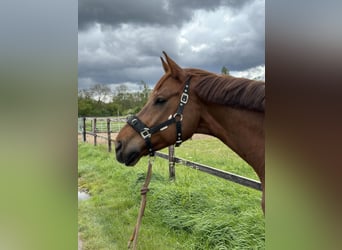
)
(169, 117)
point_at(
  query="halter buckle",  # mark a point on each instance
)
(145, 133)
(184, 98)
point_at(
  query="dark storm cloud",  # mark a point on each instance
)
(121, 41)
(152, 12)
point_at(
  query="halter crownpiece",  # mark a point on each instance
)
(146, 132)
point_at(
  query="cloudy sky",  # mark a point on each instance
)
(120, 41)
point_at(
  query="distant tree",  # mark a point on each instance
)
(145, 92)
(225, 70)
(94, 101)
(121, 89)
(100, 92)
(120, 99)
(84, 93)
(85, 104)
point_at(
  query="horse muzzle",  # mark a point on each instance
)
(125, 155)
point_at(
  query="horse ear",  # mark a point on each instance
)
(166, 68)
(176, 71)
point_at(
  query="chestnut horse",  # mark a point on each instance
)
(187, 101)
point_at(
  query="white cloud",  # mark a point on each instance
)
(199, 48)
(257, 73)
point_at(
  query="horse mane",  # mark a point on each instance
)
(228, 90)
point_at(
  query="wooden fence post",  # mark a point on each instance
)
(108, 133)
(172, 171)
(84, 130)
(94, 131)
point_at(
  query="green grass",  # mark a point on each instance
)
(197, 211)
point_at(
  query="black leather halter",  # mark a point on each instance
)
(146, 132)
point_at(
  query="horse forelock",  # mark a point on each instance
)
(228, 90)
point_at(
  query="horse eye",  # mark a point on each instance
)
(159, 100)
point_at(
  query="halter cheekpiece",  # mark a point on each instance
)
(146, 132)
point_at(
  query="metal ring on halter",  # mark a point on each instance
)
(180, 116)
(134, 121)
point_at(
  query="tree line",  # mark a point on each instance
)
(100, 100)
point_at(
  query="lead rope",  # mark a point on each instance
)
(144, 189)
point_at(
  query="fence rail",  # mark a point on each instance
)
(170, 156)
(214, 171)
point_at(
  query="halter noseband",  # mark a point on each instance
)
(146, 132)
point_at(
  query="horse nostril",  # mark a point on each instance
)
(118, 145)
(118, 151)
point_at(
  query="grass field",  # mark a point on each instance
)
(197, 211)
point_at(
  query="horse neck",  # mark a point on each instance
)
(241, 130)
